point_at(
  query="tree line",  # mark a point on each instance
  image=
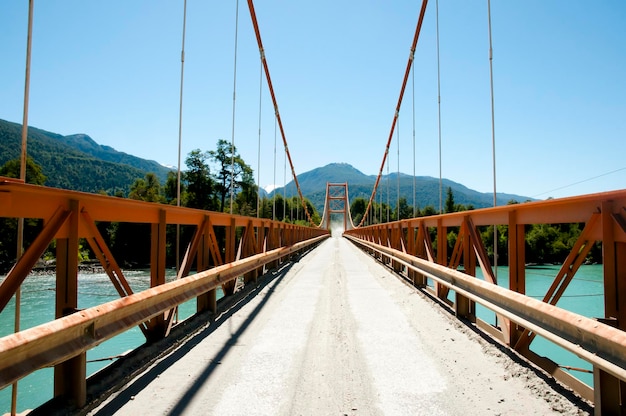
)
(205, 184)
(545, 243)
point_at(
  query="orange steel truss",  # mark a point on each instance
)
(407, 246)
(337, 202)
(249, 246)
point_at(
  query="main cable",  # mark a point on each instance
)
(398, 178)
(439, 110)
(397, 112)
(493, 143)
(280, 123)
(23, 159)
(232, 138)
(258, 173)
(413, 96)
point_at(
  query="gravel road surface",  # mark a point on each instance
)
(338, 334)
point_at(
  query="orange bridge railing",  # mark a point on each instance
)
(418, 249)
(225, 250)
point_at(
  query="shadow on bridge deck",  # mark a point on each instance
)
(130, 375)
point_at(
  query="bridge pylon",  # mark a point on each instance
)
(337, 202)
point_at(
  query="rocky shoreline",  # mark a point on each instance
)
(48, 268)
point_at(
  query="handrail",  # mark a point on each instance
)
(593, 341)
(423, 242)
(233, 245)
(54, 342)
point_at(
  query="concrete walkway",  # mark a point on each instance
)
(339, 335)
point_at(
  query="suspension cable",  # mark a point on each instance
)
(413, 96)
(274, 184)
(493, 143)
(180, 137)
(395, 117)
(381, 207)
(180, 106)
(280, 123)
(23, 159)
(398, 178)
(439, 110)
(285, 186)
(388, 219)
(232, 137)
(258, 173)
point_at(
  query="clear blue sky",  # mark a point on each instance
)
(112, 70)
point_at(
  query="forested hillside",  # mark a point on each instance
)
(313, 185)
(76, 162)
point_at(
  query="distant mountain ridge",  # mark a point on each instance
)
(313, 186)
(76, 161)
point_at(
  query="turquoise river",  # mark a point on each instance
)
(583, 296)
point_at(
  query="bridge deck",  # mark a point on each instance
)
(337, 334)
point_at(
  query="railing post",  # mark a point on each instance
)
(463, 306)
(207, 301)
(412, 250)
(442, 254)
(396, 236)
(386, 242)
(517, 268)
(70, 377)
(249, 248)
(230, 250)
(260, 240)
(420, 250)
(271, 243)
(158, 325)
(609, 391)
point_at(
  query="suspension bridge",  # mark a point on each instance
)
(309, 323)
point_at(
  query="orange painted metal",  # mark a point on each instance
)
(55, 342)
(257, 32)
(409, 64)
(70, 215)
(598, 343)
(53, 206)
(337, 202)
(604, 216)
(28, 260)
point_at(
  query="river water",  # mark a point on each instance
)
(583, 296)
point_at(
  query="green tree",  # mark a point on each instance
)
(147, 189)
(8, 226)
(487, 237)
(539, 239)
(357, 209)
(265, 208)
(130, 242)
(199, 183)
(279, 206)
(170, 189)
(232, 171)
(246, 199)
(428, 211)
(34, 172)
(449, 204)
(403, 210)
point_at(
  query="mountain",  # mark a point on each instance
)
(77, 162)
(313, 186)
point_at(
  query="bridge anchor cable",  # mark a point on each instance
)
(278, 119)
(409, 64)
